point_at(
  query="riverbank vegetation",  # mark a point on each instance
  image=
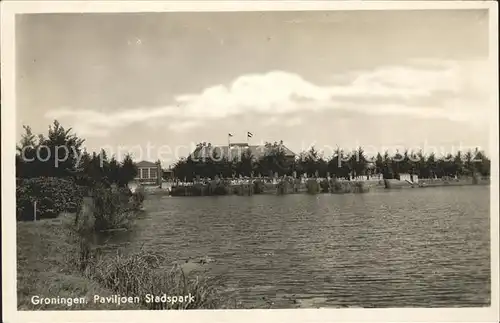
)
(60, 258)
(78, 201)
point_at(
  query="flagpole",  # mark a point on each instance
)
(249, 135)
(229, 146)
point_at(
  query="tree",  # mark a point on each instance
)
(310, 162)
(113, 171)
(431, 166)
(483, 164)
(387, 167)
(340, 164)
(358, 162)
(379, 163)
(469, 163)
(245, 165)
(26, 164)
(458, 164)
(55, 155)
(63, 145)
(397, 164)
(128, 171)
(273, 161)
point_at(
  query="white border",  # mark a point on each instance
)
(9, 9)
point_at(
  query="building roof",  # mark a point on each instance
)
(145, 163)
(237, 149)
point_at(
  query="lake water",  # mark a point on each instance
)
(403, 248)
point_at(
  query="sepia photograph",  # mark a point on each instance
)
(255, 159)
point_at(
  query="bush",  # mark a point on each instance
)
(109, 210)
(312, 186)
(137, 197)
(53, 195)
(281, 187)
(258, 186)
(325, 186)
(199, 189)
(360, 187)
(221, 189)
(348, 187)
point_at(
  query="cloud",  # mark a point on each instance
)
(184, 125)
(451, 90)
(293, 122)
(284, 121)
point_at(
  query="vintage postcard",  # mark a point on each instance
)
(277, 161)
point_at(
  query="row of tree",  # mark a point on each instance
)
(341, 164)
(61, 154)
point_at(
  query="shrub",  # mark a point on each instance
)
(258, 186)
(137, 197)
(312, 186)
(359, 187)
(53, 195)
(336, 186)
(198, 189)
(340, 187)
(348, 187)
(125, 194)
(109, 210)
(218, 188)
(475, 178)
(325, 186)
(221, 189)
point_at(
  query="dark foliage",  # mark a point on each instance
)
(341, 164)
(52, 195)
(56, 172)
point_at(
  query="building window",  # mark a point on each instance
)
(153, 173)
(144, 173)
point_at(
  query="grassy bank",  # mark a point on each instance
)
(59, 258)
(45, 267)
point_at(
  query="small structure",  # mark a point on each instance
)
(149, 173)
(411, 178)
(168, 174)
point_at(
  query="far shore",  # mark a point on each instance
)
(271, 187)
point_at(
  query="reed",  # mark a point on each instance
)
(144, 273)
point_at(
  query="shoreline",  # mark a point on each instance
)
(246, 189)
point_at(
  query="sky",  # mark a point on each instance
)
(378, 79)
